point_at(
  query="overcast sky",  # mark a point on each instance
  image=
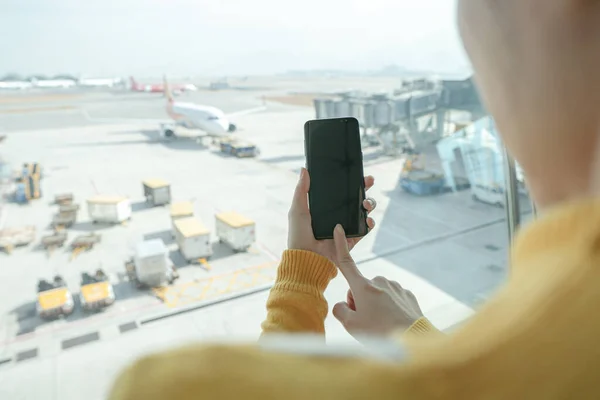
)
(225, 37)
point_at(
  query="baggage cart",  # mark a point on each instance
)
(235, 230)
(55, 240)
(157, 191)
(109, 209)
(96, 291)
(63, 199)
(64, 220)
(193, 239)
(16, 237)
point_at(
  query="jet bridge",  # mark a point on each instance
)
(479, 149)
(393, 120)
(414, 113)
(494, 176)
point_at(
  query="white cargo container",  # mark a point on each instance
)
(152, 263)
(181, 209)
(236, 230)
(192, 238)
(111, 209)
(157, 191)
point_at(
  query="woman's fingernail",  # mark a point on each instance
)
(301, 173)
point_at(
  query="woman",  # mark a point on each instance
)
(536, 63)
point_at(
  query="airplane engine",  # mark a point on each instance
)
(232, 128)
(168, 133)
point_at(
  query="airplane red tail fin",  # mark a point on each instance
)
(134, 84)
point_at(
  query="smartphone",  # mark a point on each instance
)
(337, 186)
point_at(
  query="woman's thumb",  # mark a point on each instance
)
(343, 313)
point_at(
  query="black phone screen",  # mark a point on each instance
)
(337, 190)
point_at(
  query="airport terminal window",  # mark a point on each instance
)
(123, 231)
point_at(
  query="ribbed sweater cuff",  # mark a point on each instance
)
(421, 326)
(306, 268)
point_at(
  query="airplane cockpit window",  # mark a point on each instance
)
(179, 231)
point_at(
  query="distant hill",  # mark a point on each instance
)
(392, 70)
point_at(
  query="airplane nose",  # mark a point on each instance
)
(232, 128)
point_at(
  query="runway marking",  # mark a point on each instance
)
(205, 264)
(34, 109)
(215, 286)
(33, 98)
(267, 251)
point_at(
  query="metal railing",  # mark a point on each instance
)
(513, 213)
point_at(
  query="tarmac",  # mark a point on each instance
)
(449, 250)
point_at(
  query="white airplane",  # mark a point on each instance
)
(99, 82)
(15, 85)
(208, 120)
(53, 83)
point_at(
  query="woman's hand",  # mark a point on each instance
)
(300, 235)
(375, 306)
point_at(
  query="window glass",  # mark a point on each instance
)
(125, 232)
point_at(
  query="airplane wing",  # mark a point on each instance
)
(245, 112)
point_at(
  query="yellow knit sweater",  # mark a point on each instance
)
(537, 339)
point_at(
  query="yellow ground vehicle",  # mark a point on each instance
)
(412, 163)
(54, 299)
(96, 291)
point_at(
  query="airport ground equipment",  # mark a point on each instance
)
(96, 291)
(84, 243)
(109, 209)
(193, 239)
(224, 143)
(68, 208)
(238, 148)
(64, 219)
(412, 163)
(157, 191)
(151, 267)
(64, 199)
(21, 194)
(31, 169)
(493, 195)
(54, 298)
(181, 209)
(28, 188)
(55, 240)
(415, 179)
(476, 152)
(422, 183)
(244, 149)
(16, 237)
(236, 230)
